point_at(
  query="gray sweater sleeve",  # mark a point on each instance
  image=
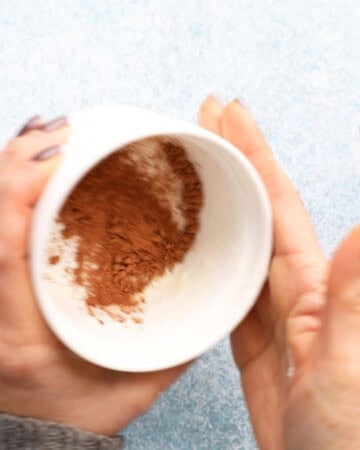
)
(32, 434)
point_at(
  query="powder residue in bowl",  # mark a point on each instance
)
(127, 222)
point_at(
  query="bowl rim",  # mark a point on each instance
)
(174, 128)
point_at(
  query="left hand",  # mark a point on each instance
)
(39, 377)
(287, 316)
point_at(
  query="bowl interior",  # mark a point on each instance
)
(203, 298)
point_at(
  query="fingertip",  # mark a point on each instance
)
(231, 123)
(209, 114)
(232, 110)
(238, 102)
(46, 165)
(213, 100)
(211, 103)
(55, 124)
(241, 129)
(33, 123)
(28, 146)
(60, 134)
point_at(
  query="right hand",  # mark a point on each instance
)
(308, 311)
(39, 377)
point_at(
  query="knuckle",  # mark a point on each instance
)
(15, 364)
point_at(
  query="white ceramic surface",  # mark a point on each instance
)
(209, 293)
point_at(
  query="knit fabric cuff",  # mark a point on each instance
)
(33, 434)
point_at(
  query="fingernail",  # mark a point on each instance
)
(236, 100)
(32, 124)
(46, 154)
(56, 124)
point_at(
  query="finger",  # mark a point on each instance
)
(254, 333)
(28, 145)
(21, 182)
(294, 233)
(27, 162)
(341, 323)
(17, 307)
(209, 114)
(263, 386)
(34, 123)
(262, 367)
(19, 191)
(298, 267)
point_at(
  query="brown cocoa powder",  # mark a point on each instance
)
(125, 223)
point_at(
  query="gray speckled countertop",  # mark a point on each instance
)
(295, 64)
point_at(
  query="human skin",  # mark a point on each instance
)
(39, 377)
(308, 314)
(298, 350)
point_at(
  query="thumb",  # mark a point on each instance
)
(341, 325)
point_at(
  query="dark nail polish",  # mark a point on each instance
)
(47, 153)
(32, 124)
(55, 124)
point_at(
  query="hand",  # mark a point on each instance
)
(298, 349)
(39, 377)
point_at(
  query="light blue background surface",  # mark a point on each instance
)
(295, 64)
